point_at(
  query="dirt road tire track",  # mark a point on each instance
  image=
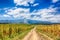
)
(33, 35)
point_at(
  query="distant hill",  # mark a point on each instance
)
(25, 21)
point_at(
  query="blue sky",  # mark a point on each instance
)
(39, 10)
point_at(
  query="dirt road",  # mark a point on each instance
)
(33, 35)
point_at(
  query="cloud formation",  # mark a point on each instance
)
(23, 2)
(46, 14)
(54, 1)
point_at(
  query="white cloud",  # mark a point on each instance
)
(36, 4)
(54, 1)
(55, 19)
(41, 15)
(18, 13)
(47, 15)
(6, 15)
(23, 2)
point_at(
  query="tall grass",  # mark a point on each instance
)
(9, 31)
(52, 31)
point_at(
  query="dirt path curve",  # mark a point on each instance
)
(33, 35)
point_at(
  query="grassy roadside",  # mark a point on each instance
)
(21, 36)
(14, 31)
(50, 31)
(50, 35)
(44, 34)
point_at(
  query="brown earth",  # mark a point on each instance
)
(33, 35)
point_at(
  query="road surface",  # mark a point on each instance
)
(33, 35)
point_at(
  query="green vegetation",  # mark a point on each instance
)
(52, 31)
(14, 31)
(18, 31)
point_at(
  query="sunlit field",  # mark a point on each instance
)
(14, 31)
(52, 31)
(19, 31)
